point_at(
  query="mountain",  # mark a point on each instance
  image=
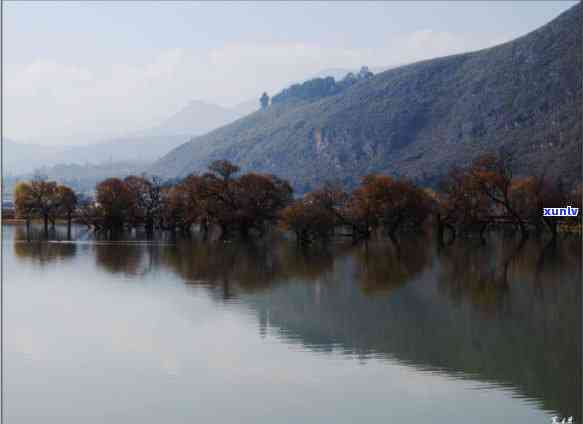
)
(339, 73)
(198, 117)
(18, 158)
(247, 107)
(336, 73)
(418, 120)
(144, 146)
(21, 158)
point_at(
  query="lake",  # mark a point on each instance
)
(181, 331)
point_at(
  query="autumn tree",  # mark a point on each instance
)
(67, 204)
(250, 202)
(259, 198)
(388, 202)
(216, 194)
(44, 200)
(24, 202)
(461, 205)
(493, 177)
(247, 203)
(308, 220)
(530, 195)
(188, 204)
(316, 215)
(115, 201)
(147, 202)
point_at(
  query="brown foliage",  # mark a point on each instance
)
(115, 202)
(391, 203)
(147, 200)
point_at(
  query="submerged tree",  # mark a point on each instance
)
(115, 202)
(492, 176)
(391, 203)
(44, 199)
(67, 204)
(316, 215)
(24, 203)
(250, 202)
(147, 201)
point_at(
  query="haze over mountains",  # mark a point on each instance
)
(135, 148)
(138, 147)
(415, 120)
(144, 146)
(418, 120)
(198, 117)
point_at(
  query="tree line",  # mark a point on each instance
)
(316, 88)
(470, 200)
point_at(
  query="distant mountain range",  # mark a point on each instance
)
(140, 147)
(145, 146)
(199, 117)
(420, 119)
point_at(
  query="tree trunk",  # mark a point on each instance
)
(439, 230)
(69, 226)
(483, 231)
(393, 229)
(205, 229)
(523, 230)
(552, 227)
(27, 228)
(244, 230)
(46, 224)
(149, 226)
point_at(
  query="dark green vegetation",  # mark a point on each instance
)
(418, 120)
(319, 88)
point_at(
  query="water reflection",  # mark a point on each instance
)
(41, 252)
(236, 267)
(505, 313)
(384, 267)
(128, 259)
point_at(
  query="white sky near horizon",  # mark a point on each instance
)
(75, 72)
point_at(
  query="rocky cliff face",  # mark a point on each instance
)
(420, 119)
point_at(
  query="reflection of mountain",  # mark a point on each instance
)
(526, 340)
(497, 313)
(492, 313)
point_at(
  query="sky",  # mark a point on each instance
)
(78, 72)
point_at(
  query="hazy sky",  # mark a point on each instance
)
(95, 69)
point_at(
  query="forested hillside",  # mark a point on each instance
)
(418, 120)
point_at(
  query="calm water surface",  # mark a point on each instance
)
(188, 332)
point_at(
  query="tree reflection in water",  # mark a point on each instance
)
(504, 312)
(38, 251)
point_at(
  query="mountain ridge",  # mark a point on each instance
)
(420, 119)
